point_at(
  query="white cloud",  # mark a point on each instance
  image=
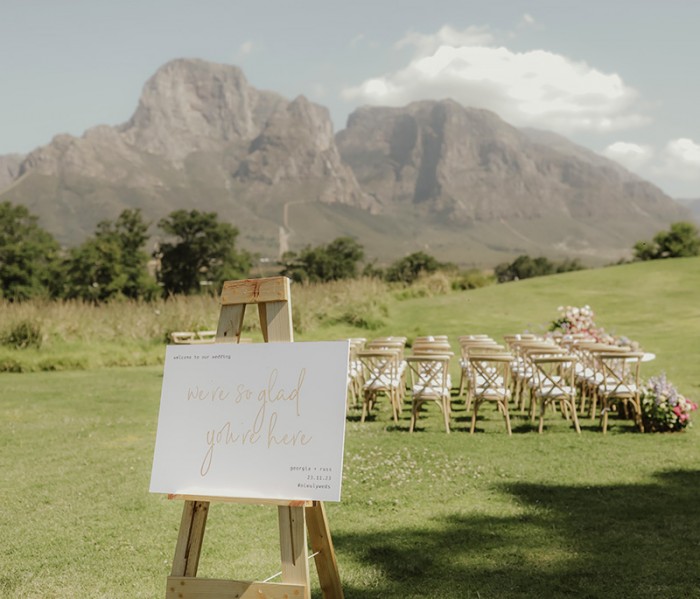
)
(318, 91)
(527, 20)
(675, 167)
(357, 40)
(685, 151)
(244, 50)
(630, 155)
(446, 36)
(680, 159)
(535, 88)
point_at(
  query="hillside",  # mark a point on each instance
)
(457, 182)
(694, 207)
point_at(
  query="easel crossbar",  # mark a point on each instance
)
(181, 587)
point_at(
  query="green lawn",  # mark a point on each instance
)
(423, 515)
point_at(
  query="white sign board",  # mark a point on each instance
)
(263, 421)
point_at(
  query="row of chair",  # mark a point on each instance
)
(380, 367)
(574, 375)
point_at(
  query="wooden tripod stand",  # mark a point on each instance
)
(272, 297)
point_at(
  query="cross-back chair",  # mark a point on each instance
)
(381, 375)
(490, 374)
(620, 384)
(554, 378)
(430, 382)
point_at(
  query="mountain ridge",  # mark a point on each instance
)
(434, 175)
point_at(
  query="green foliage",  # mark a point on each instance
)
(682, 240)
(525, 267)
(426, 285)
(333, 262)
(471, 279)
(92, 271)
(11, 365)
(61, 363)
(22, 335)
(408, 269)
(28, 254)
(131, 234)
(110, 264)
(202, 253)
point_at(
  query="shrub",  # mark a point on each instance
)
(427, 285)
(471, 279)
(365, 315)
(408, 269)
(682, 240)
(10, 365)
(58, 364)
(22, 335)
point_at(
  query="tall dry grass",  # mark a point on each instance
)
(360, 302)
(120, 320)
(75, 334)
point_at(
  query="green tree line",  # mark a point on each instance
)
(198, 255)
(200, 251)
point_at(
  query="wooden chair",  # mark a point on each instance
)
(524, 378)
(490, 374)
(595, 374)
(381, 375)
(588, 373)
(620, 383)
(554, 375)
(466, 343)
(355, 371)
(432, 347)
(430, 382)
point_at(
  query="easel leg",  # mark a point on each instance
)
(322, 546)
(189, 540)
(295, 561)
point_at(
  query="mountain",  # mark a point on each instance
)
(465, 167)
(9, 169)
(458, 182)
(693, 206)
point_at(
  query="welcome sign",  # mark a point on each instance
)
(262, 421)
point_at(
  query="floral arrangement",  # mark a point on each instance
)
(581, 320)
(663, 408)
(574, 320)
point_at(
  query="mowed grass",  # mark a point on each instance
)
(423, 514)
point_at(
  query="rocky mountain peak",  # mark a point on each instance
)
(190, 105)
(9, 169)
(466, 165)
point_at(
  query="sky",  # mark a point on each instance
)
(619, 77)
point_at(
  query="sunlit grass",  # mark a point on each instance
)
(423, 514)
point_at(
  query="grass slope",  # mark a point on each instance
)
(423, 515)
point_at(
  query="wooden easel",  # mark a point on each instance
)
(272, 297)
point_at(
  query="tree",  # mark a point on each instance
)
(202, 252)
(337, 260)
(525, 267)
(112, 263)
(131, 234)
(28, 254)
(682, 240)
(93, 270)
(409, 268)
